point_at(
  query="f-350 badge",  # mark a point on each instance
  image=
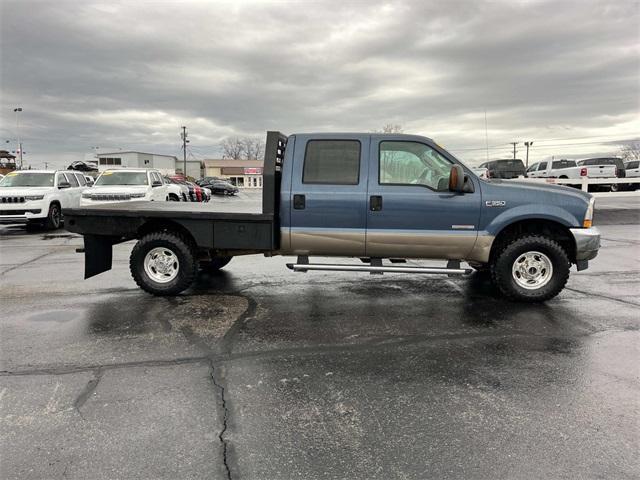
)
(495, 203)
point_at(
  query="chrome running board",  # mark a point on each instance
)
(333, 267)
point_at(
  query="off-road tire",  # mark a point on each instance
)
(508, 253)
(182, 247)
(214, 264)
(54, 217)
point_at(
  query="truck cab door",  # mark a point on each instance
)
(327, 200)
(411, 212)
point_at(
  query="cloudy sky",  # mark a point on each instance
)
(565, 75)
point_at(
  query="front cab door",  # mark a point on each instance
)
(411, 212)
(328, 207)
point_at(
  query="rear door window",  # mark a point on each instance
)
(334, 162)
(81, 179)
(71, 178)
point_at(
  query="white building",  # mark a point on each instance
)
(167, 164)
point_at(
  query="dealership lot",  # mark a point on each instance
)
(261, 373)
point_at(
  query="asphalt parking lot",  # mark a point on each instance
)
(260, 373)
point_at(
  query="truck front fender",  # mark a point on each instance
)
(531, 212)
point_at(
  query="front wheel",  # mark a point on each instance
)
(530, 269)
(163, 263)
(54, 217)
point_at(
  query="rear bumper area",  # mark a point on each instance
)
(587, 242)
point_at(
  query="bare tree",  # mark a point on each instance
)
(630, 152)
(253, 148)
(232, 148)
(392, 128)
(242, 148)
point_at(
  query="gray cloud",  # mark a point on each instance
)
(128, 74)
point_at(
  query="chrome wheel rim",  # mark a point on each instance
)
(532, 270)
(161, 265)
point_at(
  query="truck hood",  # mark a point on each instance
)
(543, 188)
(22, 191)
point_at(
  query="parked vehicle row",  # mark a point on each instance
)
(604, 167)
(569, 169)
(37, 197)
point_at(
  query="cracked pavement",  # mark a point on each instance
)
(260, 373)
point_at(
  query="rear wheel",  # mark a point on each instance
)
(163, 263)
(54, 217)
(214, 264)
(530, 269)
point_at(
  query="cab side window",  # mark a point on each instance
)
(413, 163)
(543, 166)
(333, 162)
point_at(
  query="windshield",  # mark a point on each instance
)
(27, 179)
(122, 178)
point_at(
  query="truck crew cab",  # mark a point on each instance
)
(379, 198)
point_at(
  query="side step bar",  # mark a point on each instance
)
(303, 267)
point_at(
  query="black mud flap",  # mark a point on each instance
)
(98, 254)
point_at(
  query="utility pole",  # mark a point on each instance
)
(184, 150)
(514, 149)
(17, 110)
(486, 133)
(527, 144)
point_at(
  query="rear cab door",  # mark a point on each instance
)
(327, 198)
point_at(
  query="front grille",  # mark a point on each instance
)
(106, 197)
(19, 212)
(12, 200)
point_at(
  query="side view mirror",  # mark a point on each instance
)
(458, 181)
(156, 183)
(62, 185)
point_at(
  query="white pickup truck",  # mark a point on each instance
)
(37, 197)
(569, 169)
(126, 184)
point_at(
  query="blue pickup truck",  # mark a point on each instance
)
(379, 198)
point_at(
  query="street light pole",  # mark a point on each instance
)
(17, 110)
(527, 144)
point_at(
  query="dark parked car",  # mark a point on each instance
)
(81, 166)
(508, 168)
(207, 180)
(220, 187)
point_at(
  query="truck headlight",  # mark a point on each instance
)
(33, 197)
(588, 217)
(86, 195)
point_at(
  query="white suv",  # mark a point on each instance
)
(126, 184)
(38, 196)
